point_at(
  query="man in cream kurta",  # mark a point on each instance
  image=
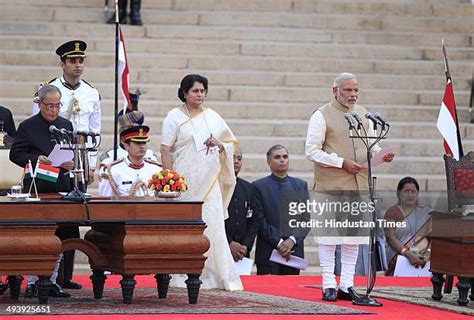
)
(338, 163)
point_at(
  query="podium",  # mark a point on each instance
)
(452, 253)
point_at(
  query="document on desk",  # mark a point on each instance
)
(244, 266)
(294, 262)
(58, 155)
(404, 268)
(377, 159)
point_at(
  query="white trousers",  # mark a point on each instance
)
(349, 254)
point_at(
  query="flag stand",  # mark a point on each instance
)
(116, 79)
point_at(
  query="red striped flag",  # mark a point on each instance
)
(123, 73)
(448, 123)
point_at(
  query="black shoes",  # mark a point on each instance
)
(31, 291)
(57, 292)
(69, 284)
(329, 294)
(357, 299)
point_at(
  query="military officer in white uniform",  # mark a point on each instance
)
(80, 101)
(129, 176)
(127, 120)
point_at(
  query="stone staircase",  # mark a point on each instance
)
(269, 63)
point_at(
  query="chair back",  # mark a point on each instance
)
(460, 180)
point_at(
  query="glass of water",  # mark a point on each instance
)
(15, 191)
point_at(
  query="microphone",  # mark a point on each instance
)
(358, 119)
(348, 117)
(372, 118)
(379, 117)
(54, 129)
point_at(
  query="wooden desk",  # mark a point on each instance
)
(452, 253)
(127, 237)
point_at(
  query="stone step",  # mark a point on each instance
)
(256, 110)
(259, 94)
(293, 35)
(276, 49)
(300, 19)
(94, 75)
(246, 63)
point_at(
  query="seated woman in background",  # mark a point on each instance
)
(411, 240)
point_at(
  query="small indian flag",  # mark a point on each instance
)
(46, 172)
(28, 171)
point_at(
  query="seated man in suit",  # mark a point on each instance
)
(241, 227)
(267, 204)
(34, 143)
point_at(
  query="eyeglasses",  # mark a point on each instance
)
(51, 106)
(238, 158)
(409, 192)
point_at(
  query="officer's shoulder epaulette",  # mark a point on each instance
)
(88, 84)
(152, 162)
(113, 163)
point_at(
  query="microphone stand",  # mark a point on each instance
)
(369, 142)
(76, 195)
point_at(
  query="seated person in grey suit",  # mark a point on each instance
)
(269, 203)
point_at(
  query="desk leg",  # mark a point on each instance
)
(128, 285)
(162, 282)
(15, 283)
(44, 285)
(98, 279)
(193, 283)
(464, 284)
(437, 280)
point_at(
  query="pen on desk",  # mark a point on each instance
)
(208, 145)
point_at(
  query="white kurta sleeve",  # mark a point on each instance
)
(314, 143)
(170, 130)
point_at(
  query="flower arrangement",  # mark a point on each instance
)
(167, 181)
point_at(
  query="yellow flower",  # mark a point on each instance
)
(171, 182)
(166, 188)
(160, 176)
(170, 175)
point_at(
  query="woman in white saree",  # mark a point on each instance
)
(197, 143)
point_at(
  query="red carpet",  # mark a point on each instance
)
(287, 286)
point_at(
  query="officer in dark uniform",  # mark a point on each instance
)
(135, 16)
(241, 227)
